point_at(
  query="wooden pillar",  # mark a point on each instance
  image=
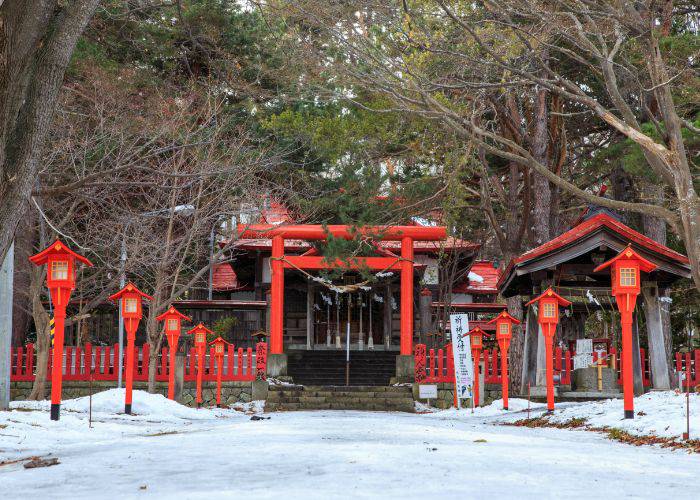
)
(277, 297)
(636, 358)
(268, 310)
(531, 341)
(388, 313)
(655, 334)
(309, 316)
(425, 313)
(407, 296)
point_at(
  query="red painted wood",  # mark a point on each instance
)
(319, 232)
(311, 262)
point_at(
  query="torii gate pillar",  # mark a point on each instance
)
(276, 359)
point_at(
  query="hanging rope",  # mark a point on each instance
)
(349, 288)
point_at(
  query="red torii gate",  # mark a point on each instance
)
(279, 262)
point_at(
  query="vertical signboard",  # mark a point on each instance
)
(464, 367)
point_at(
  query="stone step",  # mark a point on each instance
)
(377, 406)
(318, 396)
(342, 388)
(340, 397)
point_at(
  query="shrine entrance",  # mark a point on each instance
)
(348, 305)
(363, 310)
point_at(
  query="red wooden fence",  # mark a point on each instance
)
(438, 365)
(689, 362)
(239, 364)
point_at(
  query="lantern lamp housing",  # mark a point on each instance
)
(625, 269)
(173, 320)
(219, 346)
(548, 306)
(61, 266)
(476, 338)
(504, 325)
(200, 333)
(131, 299)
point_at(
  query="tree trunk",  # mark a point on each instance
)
(36, 43)
(542, 204)
(655, 229)
(517, 345)
(43, 332)
(154, 337)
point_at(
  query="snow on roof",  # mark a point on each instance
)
(482, 278)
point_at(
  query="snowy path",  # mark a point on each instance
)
(330, 455)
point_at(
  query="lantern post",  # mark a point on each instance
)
(219, 345)
(476, 337)
(60, 279)
(504, 332)
(173, 320)
(200, 333)
(548, 317)
(132, 311)
(625, 270)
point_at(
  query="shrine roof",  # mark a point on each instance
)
(602, 234)
(224, 278)
(481, 279)
(594, 223)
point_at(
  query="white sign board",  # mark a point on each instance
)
(582, 361)
(461, 350)
(584, 346)
(427, 391)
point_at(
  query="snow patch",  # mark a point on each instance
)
(154, 406)
(659, 413)
(475, 277)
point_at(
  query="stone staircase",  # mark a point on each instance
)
(367, 368)
(317, 397)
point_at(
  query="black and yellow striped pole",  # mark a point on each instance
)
(52, 327)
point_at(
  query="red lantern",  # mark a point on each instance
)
(548, 317)
(200, 333)
(173, 320)
(625, 279)
(476, 338)
(131, 298)
(60, 278)
(219, 347)
(504, 332)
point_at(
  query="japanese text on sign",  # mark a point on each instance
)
(464, 368)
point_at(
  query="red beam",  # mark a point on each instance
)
(318, 232)
(317, 262)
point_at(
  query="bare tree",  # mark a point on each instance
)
(156, 186)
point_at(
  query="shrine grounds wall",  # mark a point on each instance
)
(231, 392)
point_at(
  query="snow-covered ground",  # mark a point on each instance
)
(169, 451)
(656, 413)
